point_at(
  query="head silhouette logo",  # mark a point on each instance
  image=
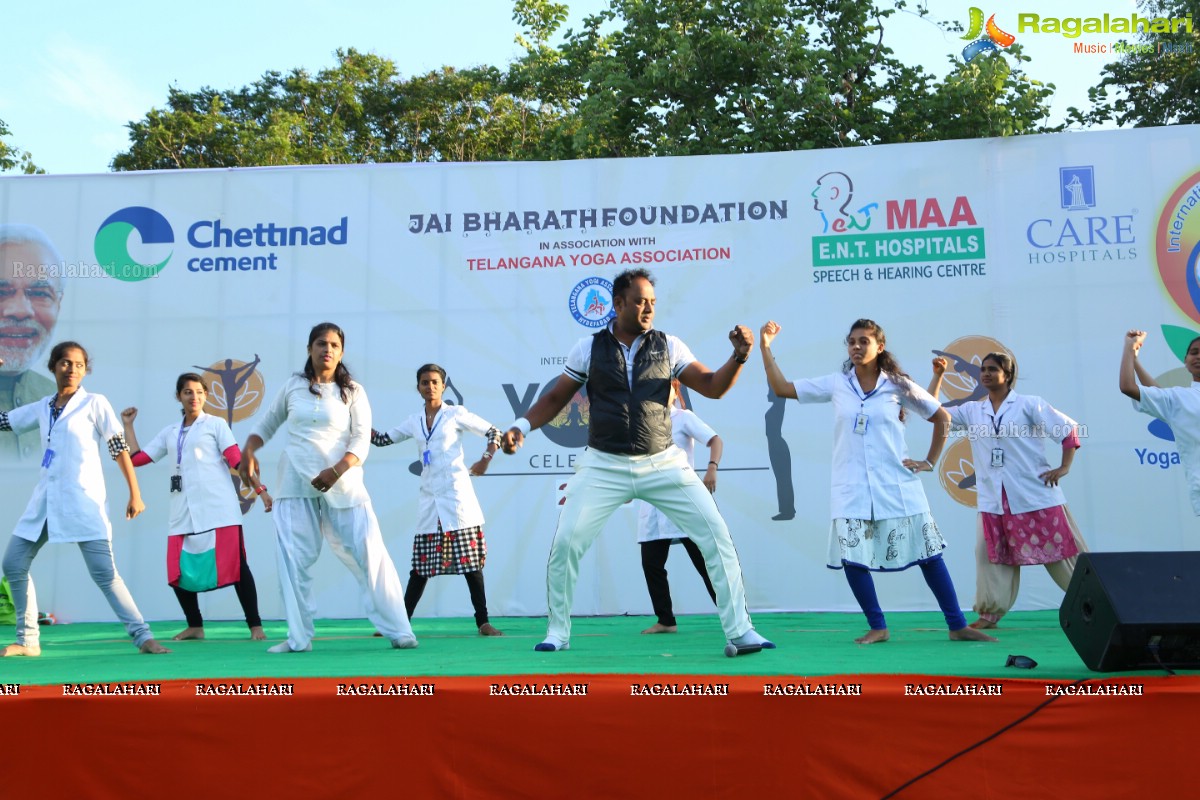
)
(1177, 245)
(986, 38)
(961, 383)
(112, 242)
(833, 199)
(957, 473)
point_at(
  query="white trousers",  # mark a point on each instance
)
(996, 585)
(353, 535)
(603, 483)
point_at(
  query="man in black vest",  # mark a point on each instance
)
(627, 368)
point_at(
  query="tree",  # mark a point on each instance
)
(1157, 83)
(15, 158)
(358, 111)
(683, 77)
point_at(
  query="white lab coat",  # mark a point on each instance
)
(1179, 407)
(320, 430)
(70, 497)
(446, 492)
(1019, 429)
(208, 499)
(869, 479)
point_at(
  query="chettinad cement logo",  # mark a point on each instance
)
(992, 40)
(112, 242)
(1177, 245)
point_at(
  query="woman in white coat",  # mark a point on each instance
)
(203, 498)
(69, 502)
(881, 519)
(1023, 518)
(321, 494)
(449, 539)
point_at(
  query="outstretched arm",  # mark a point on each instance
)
(545, 409)
(780, 385)
(713, 385)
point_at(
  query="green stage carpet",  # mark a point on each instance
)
(810, 645)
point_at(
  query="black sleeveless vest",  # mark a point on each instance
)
(625, 422)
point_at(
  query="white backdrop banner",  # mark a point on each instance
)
(1049, 246)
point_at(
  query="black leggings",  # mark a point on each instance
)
(654, 565)
(416, 588)
(246, 592)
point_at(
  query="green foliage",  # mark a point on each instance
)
(15, 158)
(640, 78)
(1157, 87)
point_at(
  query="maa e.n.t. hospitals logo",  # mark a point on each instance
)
(112, 242)
(988, 38)
(591, 302)
(833, 199)
(1177, 245)
(960, 384)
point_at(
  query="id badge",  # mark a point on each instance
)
(860, 424)
(425, 458)
(176, 483)
(47, 458)
(997, 457)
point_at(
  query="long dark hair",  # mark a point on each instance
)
(888, 364)
(341, 374)
(183, 380)
(1007, 365)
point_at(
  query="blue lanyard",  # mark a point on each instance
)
(864, 398)
(55, 413)
(184, 430)
(428, 436)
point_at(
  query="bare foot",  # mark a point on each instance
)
(152, 647)
(658, 627)
(873, 637)
(188, 633)
(256, 633)
(969, 634)
(21, 650)
(982, 624)
(487, 629)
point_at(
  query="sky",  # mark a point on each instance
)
(79, 72)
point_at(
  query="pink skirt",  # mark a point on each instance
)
(1034, 537)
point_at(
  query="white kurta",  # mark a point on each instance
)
(686, 430)
(208, 499)
(446, 492)
(870, 480)
(320, 430)
(1179, 407)
(1019, 429)
(70, 496)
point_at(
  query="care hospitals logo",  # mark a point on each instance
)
(1177, 245)
(960, 384)
(591, 302)
(112, 242)
(984, 38)
(1077, 232)
(860, 232)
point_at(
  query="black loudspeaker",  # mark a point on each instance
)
(1131, 611)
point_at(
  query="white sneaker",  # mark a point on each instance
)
(284, 647)
(405, 642)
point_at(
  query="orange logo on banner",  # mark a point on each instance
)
(957, 472)
(961, 382)
(235, 389)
